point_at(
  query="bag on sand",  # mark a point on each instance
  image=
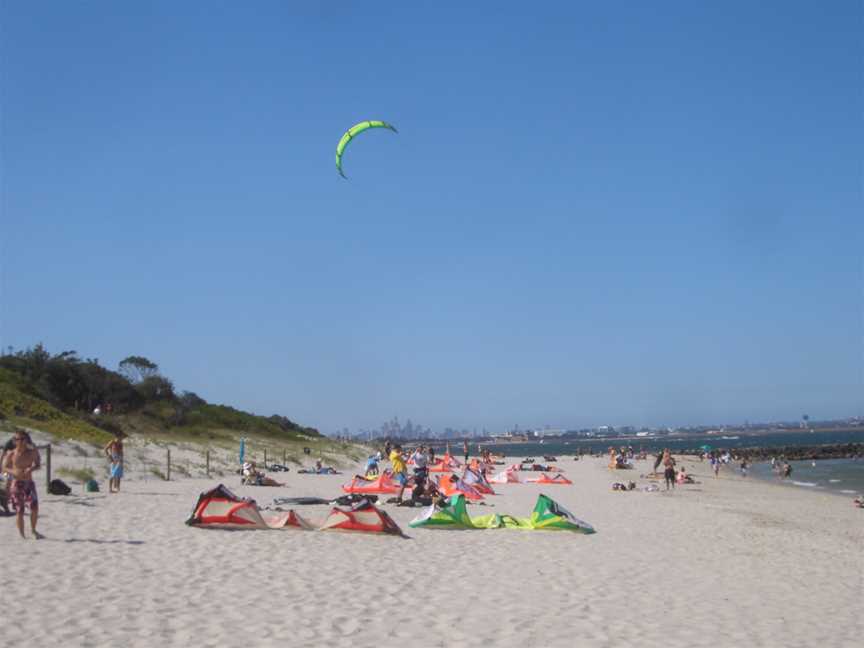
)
(58, 487)
(92, 486)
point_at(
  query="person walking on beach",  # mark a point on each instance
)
(397, 461)
(744, 467)
(114, 452)
(657, 461)
(21, 463)
(669, 472)
(715, 464)
(465, 448)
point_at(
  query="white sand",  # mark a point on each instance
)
(728, 562)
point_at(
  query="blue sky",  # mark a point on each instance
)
(622, 214)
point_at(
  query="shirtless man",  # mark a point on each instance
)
(20, 463)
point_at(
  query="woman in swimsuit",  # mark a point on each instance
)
(114, 452)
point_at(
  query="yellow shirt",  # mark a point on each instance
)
(397, 461)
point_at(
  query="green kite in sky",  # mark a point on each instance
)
(351, 133)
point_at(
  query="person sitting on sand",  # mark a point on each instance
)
(372, 466)
(21, 463)
(254, 477)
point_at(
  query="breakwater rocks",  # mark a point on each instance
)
(795, 453)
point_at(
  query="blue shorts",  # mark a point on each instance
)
(117, 470)
(400, 479)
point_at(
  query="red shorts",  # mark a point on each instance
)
(22, 493)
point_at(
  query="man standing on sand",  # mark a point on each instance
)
(21, 463)
(669, 469)
(465, 448)
(114, 452)
(399, 469)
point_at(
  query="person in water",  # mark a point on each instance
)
(20, 463)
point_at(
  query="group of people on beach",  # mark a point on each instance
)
(421, 458)
(781, 468)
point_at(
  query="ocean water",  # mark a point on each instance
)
(717, 442)
(844, 476)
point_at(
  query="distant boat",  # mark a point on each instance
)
(732, 438)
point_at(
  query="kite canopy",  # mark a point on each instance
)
(219, 508)
(547, 515)
(351, 133)
(383, 485)
(363, 516)
(546, 479)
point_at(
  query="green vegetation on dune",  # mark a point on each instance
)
(20, 408)
(58, 393)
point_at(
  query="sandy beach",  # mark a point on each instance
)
(724, 562)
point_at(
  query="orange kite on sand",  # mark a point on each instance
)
(383, 485)
(452, 485)
(546, 479)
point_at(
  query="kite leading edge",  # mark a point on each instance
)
(351, 133)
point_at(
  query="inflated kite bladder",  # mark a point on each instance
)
(351, 133)
(547, 515)
(219, 508)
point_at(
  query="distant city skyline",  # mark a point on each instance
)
(393, 429)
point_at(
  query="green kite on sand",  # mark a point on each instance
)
(547, 515)
(353, 132)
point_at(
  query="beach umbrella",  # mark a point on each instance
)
(706, 448)
(242, 450)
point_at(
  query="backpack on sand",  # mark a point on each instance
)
(58, 487)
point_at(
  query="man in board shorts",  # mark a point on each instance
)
(21, 463)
